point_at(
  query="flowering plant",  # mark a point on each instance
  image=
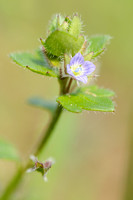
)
(80, 69)
(70, 57)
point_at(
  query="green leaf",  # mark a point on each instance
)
(94, 90)
(67, 59)
(97, 44)
(42, 103)
(89, 56)
(35, 62)
(56, 22)
(75, 27)
(88, 98)
(64, 26)
(8, 151)
(60, 42)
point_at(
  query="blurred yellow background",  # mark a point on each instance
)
(91, 149)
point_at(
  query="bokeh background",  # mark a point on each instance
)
(93, 151)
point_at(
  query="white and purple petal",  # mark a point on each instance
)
(77, 59)
(82, 78)
(80, 69)
(69, 71)
(89, 67)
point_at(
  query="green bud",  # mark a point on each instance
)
(75, 27)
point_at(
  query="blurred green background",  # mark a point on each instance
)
(91, 150)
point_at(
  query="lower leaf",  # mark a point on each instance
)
(42, 103)
(88, 98)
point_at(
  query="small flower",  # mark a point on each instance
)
(80, 69)
(41, 167)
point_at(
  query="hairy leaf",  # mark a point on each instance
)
(35, 62)
(97, 44)
(60, 42)
(88, 98)
(75, 27)
(56, 22)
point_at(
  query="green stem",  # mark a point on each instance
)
(12, 185)
(69, 85)
(49, 131)
(18, 177)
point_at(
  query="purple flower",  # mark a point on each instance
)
(80, 69)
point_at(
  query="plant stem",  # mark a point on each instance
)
(69, 85)
(45, 137)
(13, 184)
(49, 131)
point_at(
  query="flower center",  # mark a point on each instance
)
(77, 70)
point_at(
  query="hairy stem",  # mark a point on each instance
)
(43, 141)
